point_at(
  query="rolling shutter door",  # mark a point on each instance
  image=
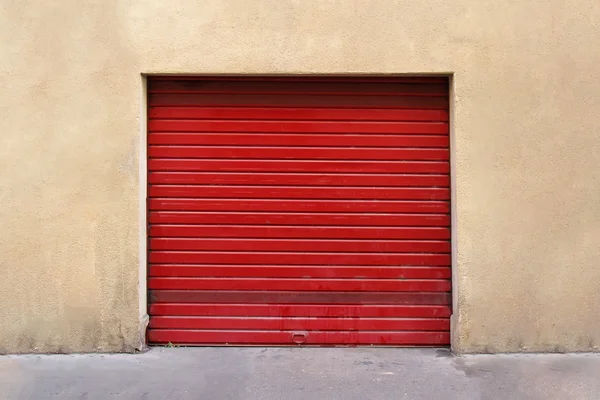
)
(299, 211)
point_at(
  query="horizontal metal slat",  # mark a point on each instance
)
(299, 192)
(321, 166)
(301, 245)
(272, 258)
(279, 297)
(312, 338)
(320, 206)
(300, 87)
(317, 219)
(304, 78)
(296, 323)
(363, 285)
(306, 114)
(178, 125)
(302, 271)
(291, 100)
(299, 232)
(224, 178)
(301, 310)
(299, 153)
(291, 139)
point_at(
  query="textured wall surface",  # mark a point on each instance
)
(526, 150)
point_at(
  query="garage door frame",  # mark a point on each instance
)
(143, 184)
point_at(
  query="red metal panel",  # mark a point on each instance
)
(300, 232)
(315, 139)
(286, 101)
(422, 128)
(298, 297)
(339, 219)
(298, 153)
(301, 245)
(300, 310)
(399, 338)
(338, 88)
(217, 178)
(261, 258)
(326, 206)
(359, 285)
(303, 192)
(300, 166)
(302, 114)
(303, 271)
(298, 323)
(343, 285)
(299, 211)
(307, 78)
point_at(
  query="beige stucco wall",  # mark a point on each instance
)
(526, 150)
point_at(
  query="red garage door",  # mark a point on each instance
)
(299, 210)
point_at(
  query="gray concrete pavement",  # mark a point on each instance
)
(300, 373)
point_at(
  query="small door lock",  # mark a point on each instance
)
(299, 337)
